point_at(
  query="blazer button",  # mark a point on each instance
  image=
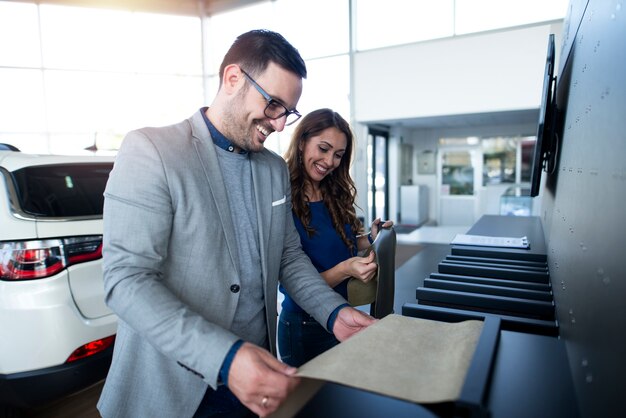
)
(235, 288)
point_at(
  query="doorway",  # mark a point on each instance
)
(377, 174)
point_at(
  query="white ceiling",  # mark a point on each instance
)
(516, 117)
(182, 7)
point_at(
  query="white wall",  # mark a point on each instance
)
(426, 140)
(489, 72)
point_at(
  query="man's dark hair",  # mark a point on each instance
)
(254, 50)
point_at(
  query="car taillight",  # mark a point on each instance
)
(27, 260)
(91, 348)
(81, 249)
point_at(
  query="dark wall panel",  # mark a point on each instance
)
(584, 205)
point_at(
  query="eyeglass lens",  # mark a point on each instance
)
(275, 110)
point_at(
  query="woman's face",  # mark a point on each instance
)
(322, 153)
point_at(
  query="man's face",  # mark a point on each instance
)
(244, 119)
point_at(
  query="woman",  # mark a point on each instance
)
(323, 198)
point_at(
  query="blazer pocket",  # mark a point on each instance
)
(279, 201)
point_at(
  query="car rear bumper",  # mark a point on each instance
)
(38, 387)
(41, 326)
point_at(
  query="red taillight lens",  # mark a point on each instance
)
(91, 348)
(81, 249)
(30, 260)
(27, 260)
(32, 256)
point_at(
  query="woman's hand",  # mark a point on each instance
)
(377, 225)
(363, 268)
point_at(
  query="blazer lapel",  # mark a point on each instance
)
(208, 158)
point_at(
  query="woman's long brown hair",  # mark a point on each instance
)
(338, 189)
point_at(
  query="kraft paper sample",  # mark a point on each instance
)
(413, 359)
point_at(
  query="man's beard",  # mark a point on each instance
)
(235, 125)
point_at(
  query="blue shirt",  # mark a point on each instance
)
(325, 248)
(217, 137)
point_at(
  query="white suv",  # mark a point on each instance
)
(56, 333)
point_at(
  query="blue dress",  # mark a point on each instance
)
(300, 337)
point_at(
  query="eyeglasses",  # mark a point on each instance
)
(274, 108)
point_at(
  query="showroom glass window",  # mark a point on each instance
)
(74, 77)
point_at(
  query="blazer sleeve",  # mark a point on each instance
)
(138, 216)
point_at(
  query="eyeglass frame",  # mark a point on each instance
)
(270, 100)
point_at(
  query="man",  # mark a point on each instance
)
(197, 232)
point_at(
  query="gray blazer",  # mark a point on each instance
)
(170, 262)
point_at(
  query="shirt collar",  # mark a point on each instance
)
(219, 139)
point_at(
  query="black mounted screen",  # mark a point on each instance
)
(545, 127)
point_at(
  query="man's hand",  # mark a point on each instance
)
(350, 321)
(259, 380)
